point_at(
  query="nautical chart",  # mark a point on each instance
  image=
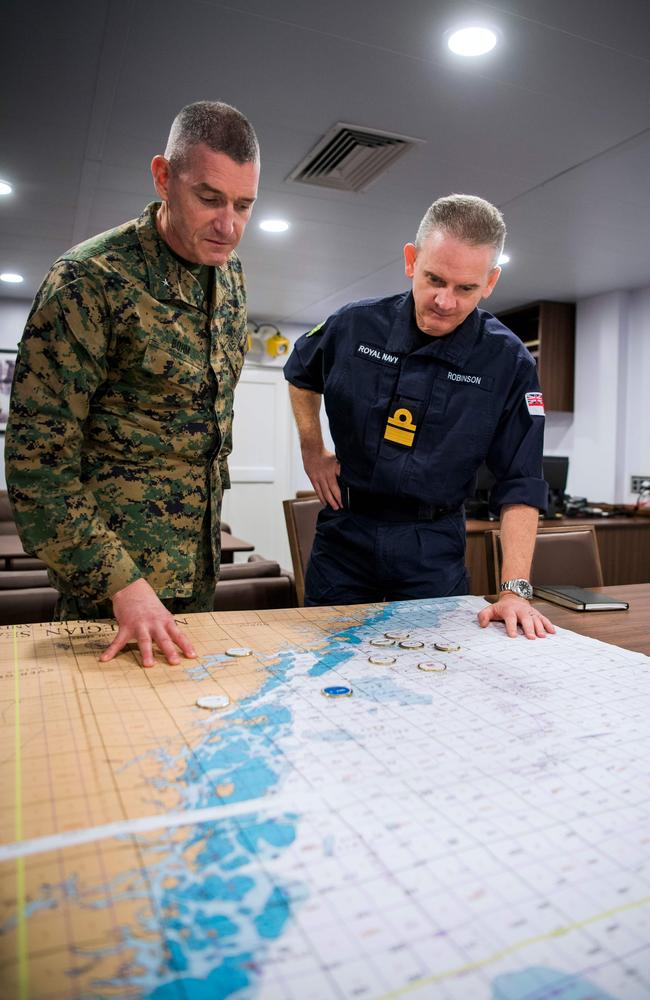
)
(442, 812)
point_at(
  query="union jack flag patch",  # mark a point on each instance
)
(535, 403)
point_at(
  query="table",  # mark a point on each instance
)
(231, 544)
(623, 544)
(12, 551)
(473, 831)
(629, 629)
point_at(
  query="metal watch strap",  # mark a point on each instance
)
(522, 588)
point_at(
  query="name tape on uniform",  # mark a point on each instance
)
(376, 353)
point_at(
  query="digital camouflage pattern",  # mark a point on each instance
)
(120, 422)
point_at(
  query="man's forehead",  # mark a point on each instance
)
(443, 252)
(207, 168)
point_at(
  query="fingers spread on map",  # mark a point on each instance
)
(515, 612)
(142, 618)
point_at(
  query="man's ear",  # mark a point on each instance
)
(491, 282)
(160, 174)
(410, 253)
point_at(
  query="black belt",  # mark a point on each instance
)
(387, 508)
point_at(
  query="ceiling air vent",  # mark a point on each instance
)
(350, 157)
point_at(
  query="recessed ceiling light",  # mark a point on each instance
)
(472, 41)
(5, 187)
(274, 225)
(503, 259)
(12, 279)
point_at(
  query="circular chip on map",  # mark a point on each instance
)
(446, 647)
(430, 667)
(239, 651)
(411, 644)
(338, 691)
(382, 661)
(213, 701)
(382, 642)
(397, 635)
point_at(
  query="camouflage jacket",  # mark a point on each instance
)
(121, 413)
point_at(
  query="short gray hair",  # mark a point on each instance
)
(467, 217)
(219, 126)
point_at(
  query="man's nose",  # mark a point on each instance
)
(224, 220)
(445, 299)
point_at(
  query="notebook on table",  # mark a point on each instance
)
(579, 599)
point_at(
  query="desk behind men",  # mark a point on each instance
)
(623, 543)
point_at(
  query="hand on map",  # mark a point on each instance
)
(323, 469)
(513, 611)
(142, 618)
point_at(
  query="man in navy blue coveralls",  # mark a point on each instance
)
(420, 389)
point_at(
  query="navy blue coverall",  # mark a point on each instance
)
(412, 417)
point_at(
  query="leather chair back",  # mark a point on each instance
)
(562, 556)
(300, 516)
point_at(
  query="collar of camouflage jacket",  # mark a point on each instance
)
(168, 279)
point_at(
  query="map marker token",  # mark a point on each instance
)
(382, 642)
(382, 661)
(397, 635)
(213, 701)
(432, 668)
(411, 644)
(338, 691)
(446, 647)
(239, 651)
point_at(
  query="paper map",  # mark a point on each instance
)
(480, 831)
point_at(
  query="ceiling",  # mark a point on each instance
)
(553, 126)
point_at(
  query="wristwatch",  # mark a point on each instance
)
(522, 588)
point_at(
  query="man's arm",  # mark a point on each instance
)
(518, 531)
(61, 365)
(320, 465)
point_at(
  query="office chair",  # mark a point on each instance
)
(562, 556)
(300, 516)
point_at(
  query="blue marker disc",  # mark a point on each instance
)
(337, 692)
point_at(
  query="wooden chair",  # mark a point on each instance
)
(300, 516)
(565, 555)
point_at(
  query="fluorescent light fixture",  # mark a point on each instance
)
(5, 187)
(274, 225)
(503, 259)
(12, 279)
(472, 41)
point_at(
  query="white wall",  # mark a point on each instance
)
(265, 465)
(607, 438)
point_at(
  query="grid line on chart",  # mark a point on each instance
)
(517, 946)
(21, 938)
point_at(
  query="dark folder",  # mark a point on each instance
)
(579, 599)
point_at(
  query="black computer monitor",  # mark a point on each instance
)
(555, 472)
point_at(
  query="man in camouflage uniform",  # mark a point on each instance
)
(121, 410)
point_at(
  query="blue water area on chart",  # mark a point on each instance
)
(213, 898)
(541, 983)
